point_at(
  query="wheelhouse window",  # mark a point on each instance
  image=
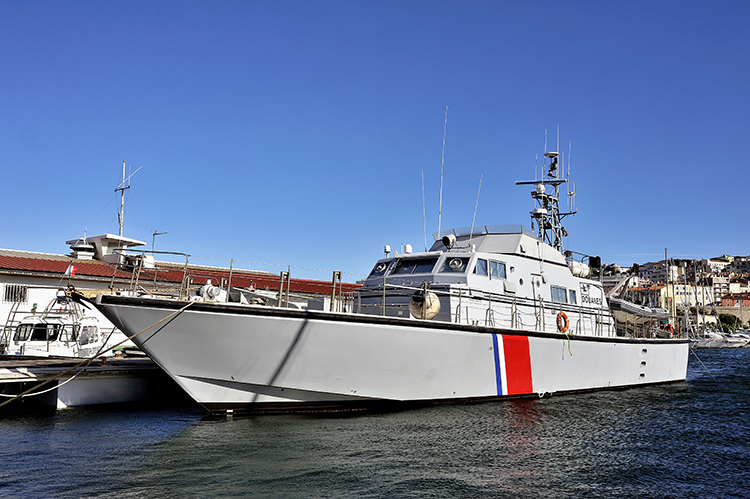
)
(38, 332)
(23, 331)
(69, 332)
(455, 264)
(415, 265)
(572, 295)
(380, 269)
(481, 267)
(497, 270)
(559, 295)
(53, 331)
(88, 335)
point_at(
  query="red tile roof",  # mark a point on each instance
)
(56, 265)
(41, 263)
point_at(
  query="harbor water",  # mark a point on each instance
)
(681, 440)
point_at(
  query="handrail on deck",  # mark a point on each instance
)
(138, 267)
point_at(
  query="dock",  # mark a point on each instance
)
(105, 380)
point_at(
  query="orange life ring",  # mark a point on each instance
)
(562, 322)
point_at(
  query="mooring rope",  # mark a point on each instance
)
(704, 365)
(43, 391)
(87, 361)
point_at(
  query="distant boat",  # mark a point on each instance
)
(720, 338)
(486, 313)
(713, 339)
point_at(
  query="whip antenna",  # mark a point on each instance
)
(471, 234)
(442, 165)
(424, 215)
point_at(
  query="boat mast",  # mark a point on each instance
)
(547, 213)
(121, 215)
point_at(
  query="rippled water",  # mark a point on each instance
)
(685, 440)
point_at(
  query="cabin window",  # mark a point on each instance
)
(39, 332)
(559, 295)
(53, 331)
(88, 335)
(455, 264)
(415, 265)
(23, 331)
(379, 269)
(16, 293)
(68, 333)
(481, 267)
(497, 270)
(572, 296)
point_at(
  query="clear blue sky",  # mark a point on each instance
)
(296, 133)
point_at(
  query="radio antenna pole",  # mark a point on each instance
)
(424, 214)
(471, 234)
(442, 165)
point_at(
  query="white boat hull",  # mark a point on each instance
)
(245, 359)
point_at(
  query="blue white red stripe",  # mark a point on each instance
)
(512, 364)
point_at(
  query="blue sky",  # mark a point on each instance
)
(296, 133)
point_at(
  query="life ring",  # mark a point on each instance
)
(562, 322)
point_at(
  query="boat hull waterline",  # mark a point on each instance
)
(256, 359)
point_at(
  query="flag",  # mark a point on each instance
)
(71, 270)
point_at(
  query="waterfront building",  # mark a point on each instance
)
(657, 271)
(717, 265)
(720, 286)
(736, 300)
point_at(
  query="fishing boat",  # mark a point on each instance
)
(486, 313)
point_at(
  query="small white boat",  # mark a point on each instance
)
(712, 339)
(62, 329)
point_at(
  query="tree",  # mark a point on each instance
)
(728, 321)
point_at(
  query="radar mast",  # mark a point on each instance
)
(547, 212)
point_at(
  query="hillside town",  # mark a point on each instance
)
(706, 289)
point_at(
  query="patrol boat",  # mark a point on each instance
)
(486, 313)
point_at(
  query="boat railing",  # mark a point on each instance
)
(489, 311)
(481, 230)
(184, 281)
(9, 327)
(145, 273)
